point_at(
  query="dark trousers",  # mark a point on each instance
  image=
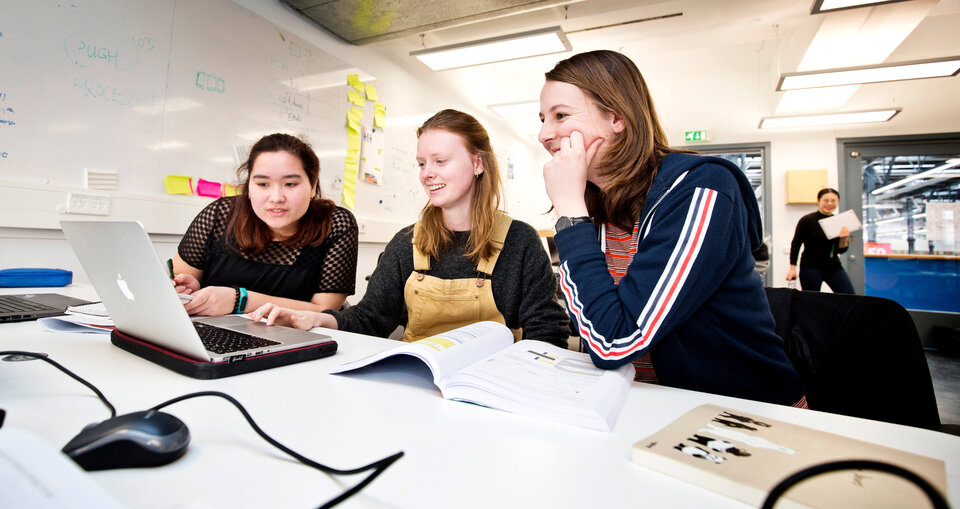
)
(837, 279)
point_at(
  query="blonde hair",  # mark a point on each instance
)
(431, 236)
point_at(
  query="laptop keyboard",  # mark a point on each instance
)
(11, 304)
(221, 341)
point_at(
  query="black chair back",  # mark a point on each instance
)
(857, 355)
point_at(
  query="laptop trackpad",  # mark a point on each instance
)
(276, 333)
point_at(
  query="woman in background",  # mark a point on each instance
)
(464, 261)
(655, 245)
(821, 256)
(278, 241)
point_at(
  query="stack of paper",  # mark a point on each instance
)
(88, 318)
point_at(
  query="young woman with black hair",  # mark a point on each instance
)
(278, 241)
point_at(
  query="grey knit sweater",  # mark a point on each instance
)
(523, 286)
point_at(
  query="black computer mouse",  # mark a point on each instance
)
(139, 439)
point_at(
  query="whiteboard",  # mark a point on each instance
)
(149, 88)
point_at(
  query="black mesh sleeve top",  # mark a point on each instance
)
(279, 270)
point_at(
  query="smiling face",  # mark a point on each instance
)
(565, 108)
(448, 171)
(828, 203)
(280, 191)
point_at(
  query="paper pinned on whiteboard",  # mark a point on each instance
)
(833, 224)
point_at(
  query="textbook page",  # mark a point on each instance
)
(542, 380)
(832, 225)
(447, 352)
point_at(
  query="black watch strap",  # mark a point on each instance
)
(566, 221)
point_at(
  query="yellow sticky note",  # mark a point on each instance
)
(354, 81)
(353, 156)
(356, 98)
(353, 125)
(355, 114)
(371, 92)
(379, 115)
(350, 178)
(229, 190)
(178, 184)
(354, 118)
(349, 193)
(353, 140)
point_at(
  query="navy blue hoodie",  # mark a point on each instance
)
(690, 296)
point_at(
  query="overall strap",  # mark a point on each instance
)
(500, 229)
(421, 262)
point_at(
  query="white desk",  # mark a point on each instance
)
(457, 455)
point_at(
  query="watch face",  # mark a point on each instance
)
(566, 221)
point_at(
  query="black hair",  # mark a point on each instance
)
(827, 190)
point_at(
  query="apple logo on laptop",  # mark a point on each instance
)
(124, 287)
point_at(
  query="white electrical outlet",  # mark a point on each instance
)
(85, 203)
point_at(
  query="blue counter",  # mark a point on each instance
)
(925, 283)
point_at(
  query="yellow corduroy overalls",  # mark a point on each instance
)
(435, 305)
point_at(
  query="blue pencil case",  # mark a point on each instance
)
(28, 278)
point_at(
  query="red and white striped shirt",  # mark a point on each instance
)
(621, 247)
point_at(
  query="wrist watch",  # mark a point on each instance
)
(566, 221)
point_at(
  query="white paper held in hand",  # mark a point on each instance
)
(833, 224)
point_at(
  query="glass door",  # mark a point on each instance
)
(906, 191)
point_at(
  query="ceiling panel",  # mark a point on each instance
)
(364, 21)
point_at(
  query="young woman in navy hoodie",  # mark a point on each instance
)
(655, 243)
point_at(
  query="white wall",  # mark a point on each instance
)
(408, 94)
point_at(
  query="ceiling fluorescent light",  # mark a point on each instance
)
(823, 6)
(495, 49)
(847, 117)
(519, 108)
(934, 68)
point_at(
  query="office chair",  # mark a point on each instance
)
(857, 355)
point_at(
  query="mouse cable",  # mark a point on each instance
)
(377, 466)
(44, 358)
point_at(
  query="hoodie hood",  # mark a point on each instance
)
(676, 164)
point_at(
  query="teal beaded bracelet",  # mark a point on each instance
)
(241, 300)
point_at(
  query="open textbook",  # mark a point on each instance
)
(744, 456)
(480, 363)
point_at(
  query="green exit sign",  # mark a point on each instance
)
(697, 135)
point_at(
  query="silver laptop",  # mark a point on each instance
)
(133, 284)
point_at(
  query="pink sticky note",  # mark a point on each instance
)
(207, 188)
